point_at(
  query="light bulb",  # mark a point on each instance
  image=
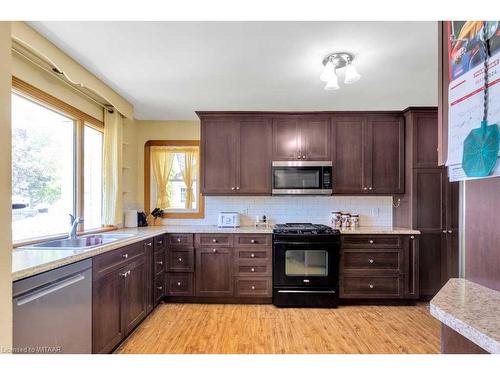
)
(333, 83)
(328, 72)
(351, 74)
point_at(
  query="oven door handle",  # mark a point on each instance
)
(308, 291)
(319, 244)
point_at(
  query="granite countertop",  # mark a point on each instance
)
(472, 310)
(29, 262)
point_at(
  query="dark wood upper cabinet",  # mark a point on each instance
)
(298, 137)
(286, 138)
(384, 150)
(218, 149)
(348, 154)
(214, 272)
(424, 137)
(236, 155)
(254, 147)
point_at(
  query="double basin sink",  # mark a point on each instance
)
(83, 242)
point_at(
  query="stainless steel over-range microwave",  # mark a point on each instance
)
(302, 177)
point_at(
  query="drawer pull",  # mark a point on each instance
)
(179, 260)
(125, 256)
(253, 287)
(125, 274)
(252, 255)
(371, 241)
(370, 261)
(149, 244)
(179, 283)
(253, 241)
(214, 250)
(412, 237)
(253, 270)
(160, 262)
(178, 240)
(214, 240)
(159, 287)
(371, 286)
(160, 242)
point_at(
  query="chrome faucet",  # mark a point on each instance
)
(73, 225)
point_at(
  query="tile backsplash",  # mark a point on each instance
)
(372, 210)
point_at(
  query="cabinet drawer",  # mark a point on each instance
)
(377, 260)
(371, 287)
(376, 241)
(214, 239)
(253, 287)
(179, 284)
(119, 257)
(252, 240)
(254, 253)
(185, 239)
(180, 259)
(159, 288)
(159, 261)
(253, 268)
(160, 242)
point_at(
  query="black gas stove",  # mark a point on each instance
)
(305, 265)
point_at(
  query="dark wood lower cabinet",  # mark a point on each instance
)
(431, 254)
(214, 272)
(135, 294)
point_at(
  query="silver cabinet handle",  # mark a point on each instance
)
(214, 240)
(298, 156)
(179, 283)
(214, 250)
(233, 188)
(371, 286)
(179, 260)
(371, 241)
(160, 263)
(303, 156)
(412, 237)
(450, 231)
(178, 240)
(149, 244)
(253, 270)
(160, 242)
(444, 231)
(370, 188)
(159, 287)
(125, 274)
(370, 261)
(252, 255)
(237, 188)
(365, 188)
(253, 241)
(253, 287)
(125, 256)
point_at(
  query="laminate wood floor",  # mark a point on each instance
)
(265, 329)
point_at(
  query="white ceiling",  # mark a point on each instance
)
(168, 70)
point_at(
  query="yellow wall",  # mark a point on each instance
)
(158, 130)
(5, 189)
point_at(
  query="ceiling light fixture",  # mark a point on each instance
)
(338, 60)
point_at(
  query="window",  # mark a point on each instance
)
(172, 175)
(49, 139)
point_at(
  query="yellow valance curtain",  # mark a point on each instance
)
(162, 159)
(188, 159)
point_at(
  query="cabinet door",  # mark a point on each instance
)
(425, 135)
(384, 155)
(430, 279)
(149, 277)
(214, 272)
(254, 149)
(218, 138)
(452, 250)
(286, 140)
(135, 301)
(347, 153)
(315, 138)
(429, 213)
(107, 324)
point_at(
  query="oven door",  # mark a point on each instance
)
(305, 264)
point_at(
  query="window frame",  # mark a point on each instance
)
(200, 213)
(81, 119)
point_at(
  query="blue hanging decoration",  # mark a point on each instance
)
(481, 145)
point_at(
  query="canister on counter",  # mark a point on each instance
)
(345, 219)
(336, 219)
(354, 221)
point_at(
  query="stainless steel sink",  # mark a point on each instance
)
(84, 242)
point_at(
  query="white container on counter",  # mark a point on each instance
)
(130, 219)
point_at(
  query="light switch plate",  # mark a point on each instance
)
(375, 211)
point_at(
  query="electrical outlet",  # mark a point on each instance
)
(375, 211)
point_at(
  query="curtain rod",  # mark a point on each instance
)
(53, 74)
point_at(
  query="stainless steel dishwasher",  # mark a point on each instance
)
(53, 311)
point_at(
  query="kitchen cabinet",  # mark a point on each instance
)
(180, 265)
(379, 267)
(368, 153)
(236, 155)
(214, 272)
(301, 137)
(119, 294)
(430, 202)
